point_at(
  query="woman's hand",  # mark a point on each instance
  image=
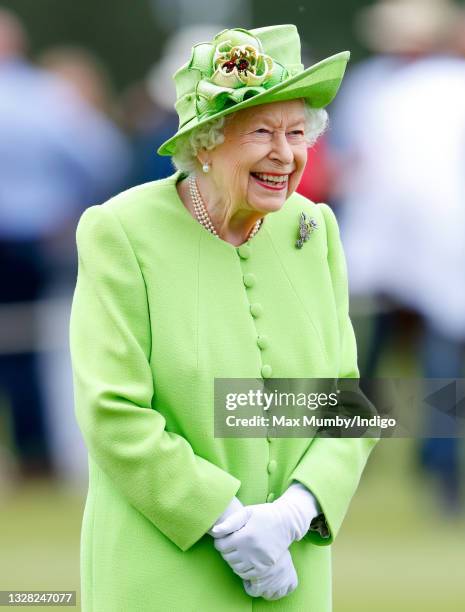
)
(234, 505)
(278, 581)
(255, 537)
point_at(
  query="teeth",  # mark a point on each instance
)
(271, 178)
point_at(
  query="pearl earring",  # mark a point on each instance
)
(206, 167)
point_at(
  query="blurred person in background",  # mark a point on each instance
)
(83, 70)
(58, 155)
(399, 134)
(91, 82)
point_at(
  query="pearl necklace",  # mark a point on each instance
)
(201, 211)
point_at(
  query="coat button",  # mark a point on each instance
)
(267, 371)
(244, 251)
(270, 497)
(272, 466)
(249, 279)
(262, 342)
(256, 310)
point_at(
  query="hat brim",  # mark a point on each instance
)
(318, 84)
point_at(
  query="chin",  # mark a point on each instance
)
(270, 205)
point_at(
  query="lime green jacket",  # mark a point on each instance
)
(161, 308)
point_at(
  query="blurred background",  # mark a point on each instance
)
(85, 99)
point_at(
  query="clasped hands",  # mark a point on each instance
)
(254, 540)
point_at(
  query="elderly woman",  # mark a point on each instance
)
(219, 271)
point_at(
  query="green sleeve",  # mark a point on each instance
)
(157, 471)
(331, 468)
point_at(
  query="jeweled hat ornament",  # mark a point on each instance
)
(243, 68)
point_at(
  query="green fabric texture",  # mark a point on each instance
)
(160, 309)
(212, 83)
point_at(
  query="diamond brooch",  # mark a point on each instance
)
(306, 227)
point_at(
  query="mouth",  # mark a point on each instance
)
(274, 182)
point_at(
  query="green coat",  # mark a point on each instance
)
(161, 309)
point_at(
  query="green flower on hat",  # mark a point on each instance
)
(240, 66)
(233, 68)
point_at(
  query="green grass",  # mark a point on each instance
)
(40, 530)
(398, 549)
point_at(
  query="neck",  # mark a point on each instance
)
(239, 226)
(233, 223)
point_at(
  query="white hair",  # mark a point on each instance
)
(211, 134)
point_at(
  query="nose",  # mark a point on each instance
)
(281, 150)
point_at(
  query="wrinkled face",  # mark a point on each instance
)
(263, 156)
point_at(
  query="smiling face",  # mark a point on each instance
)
(261, 161)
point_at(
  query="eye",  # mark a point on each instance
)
(262, 131)
(297, 133)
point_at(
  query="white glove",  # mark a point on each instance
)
(256, 536)
(279, 580)
(233, 507)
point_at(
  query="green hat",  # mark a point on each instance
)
(242, 68)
